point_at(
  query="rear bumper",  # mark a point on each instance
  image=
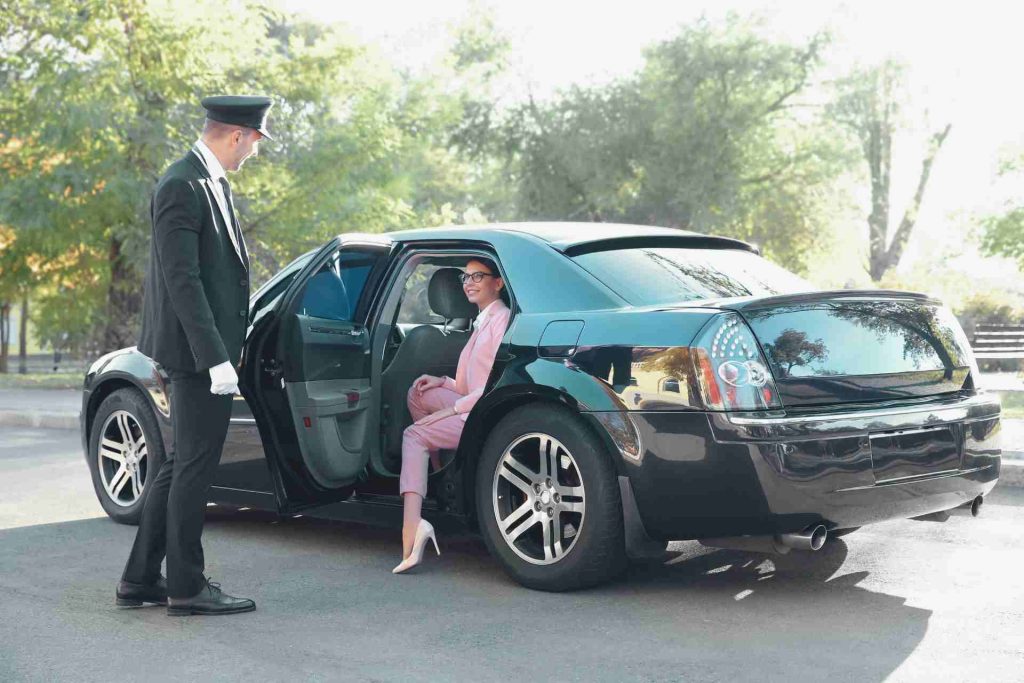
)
(697, 475)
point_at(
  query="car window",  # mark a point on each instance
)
(415, 306)
(656, 275)
(333, 292)
(274, 289)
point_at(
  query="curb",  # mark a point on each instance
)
(1011, 474)
(39, 419)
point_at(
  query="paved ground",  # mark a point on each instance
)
(900, 601)
(52, 400)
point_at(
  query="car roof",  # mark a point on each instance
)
(573, 238)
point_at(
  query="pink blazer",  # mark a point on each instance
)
(477, 358)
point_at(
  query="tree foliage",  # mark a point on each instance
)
(718, 132)
(710, 135)
(101, 96)
(1003, 232)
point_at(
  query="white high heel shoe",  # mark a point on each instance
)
(424, 531)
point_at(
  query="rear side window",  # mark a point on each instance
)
(659, 275)
(334, 291)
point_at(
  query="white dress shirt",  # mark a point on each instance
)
(216, 173)
(212, 162)
(482, 316)
(216, 170)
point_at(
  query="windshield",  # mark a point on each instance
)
(657, 275)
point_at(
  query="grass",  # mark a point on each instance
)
(1013, 403)
(42, 380)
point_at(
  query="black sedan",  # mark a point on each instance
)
(652, 385)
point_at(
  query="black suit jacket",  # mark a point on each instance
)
(196, 303)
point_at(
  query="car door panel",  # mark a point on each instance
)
(330, 419)
(315, 386)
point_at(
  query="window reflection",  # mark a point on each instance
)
(859, 338)
(656, 275)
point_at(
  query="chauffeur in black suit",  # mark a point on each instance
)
(195, 312)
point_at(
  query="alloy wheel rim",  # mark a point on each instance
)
(123, 458)
(538, 498)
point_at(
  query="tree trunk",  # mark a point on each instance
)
(5, 333)
(886, 255)
(123, 300)
(23, 336)
(899, 241)
(878, 150)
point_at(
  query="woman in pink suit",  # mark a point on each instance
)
(439, 404)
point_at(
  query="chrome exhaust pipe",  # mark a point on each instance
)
(812, 538)
(809, 539)
(971, 508)
(757, 544)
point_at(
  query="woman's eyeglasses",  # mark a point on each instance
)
(475, 277)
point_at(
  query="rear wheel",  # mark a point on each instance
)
(548, 501)
(125, 453)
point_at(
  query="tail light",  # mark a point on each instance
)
(730, 370)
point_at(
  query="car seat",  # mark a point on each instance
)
(425, 350)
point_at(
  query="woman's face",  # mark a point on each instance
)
(484, 292)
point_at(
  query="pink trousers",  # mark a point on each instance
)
(419, 440)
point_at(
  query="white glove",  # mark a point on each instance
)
(223, 379)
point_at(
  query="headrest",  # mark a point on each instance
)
(445, 295)
(325, 297)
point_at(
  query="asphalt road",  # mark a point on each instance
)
(898, 601)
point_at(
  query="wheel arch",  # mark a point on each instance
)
(499, 404)
(107, 385)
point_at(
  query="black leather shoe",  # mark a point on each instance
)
(210, 600)
(134, 594)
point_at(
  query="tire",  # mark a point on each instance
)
(587, 513)
(122, 492)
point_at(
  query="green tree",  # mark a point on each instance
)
(871, 103)
(711, 135)
(1003, 232)
(100, 97)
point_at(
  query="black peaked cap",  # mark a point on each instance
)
(241, 110)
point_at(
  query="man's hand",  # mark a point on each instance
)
(426, 382)
(434, 417)
(223, 379)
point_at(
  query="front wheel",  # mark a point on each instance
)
(125, 453)
(548, 501)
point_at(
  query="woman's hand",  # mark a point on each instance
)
(425, 382)
(434, 417)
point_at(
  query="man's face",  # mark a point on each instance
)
(245, 144)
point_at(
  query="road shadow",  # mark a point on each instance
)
(716, 614)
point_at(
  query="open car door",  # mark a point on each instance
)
(315, 392)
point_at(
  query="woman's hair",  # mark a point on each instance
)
(491, 265)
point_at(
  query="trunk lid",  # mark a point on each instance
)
(853, 346)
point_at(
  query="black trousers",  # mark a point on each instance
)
(172, 519)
